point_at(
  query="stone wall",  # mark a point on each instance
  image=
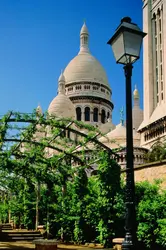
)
(150, 172)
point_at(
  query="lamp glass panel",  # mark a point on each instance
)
(118, 47)
(127, 59)
(132, 43)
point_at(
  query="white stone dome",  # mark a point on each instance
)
(61, 106)
(85, 67)
(117, 137)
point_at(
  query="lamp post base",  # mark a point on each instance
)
(127, 244)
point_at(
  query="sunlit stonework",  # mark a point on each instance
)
(84, 93)
(153, 126)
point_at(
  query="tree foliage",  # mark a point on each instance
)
(46, 167)
(47, 160)
(151, 214)
(157, 152)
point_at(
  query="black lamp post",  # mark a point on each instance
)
(126, 44)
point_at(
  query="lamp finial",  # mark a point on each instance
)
(126, 19)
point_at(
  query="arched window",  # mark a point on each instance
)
(78, 113)
(95, 115)
(103, 116)
(87, 114)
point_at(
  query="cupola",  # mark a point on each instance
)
(61, 106)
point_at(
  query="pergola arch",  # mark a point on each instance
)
(47, 142)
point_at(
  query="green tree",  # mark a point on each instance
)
(151, 214)
(157, 152)
(109, 186)
(64, 199)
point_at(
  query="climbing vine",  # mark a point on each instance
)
(50, 158)
(55, 172)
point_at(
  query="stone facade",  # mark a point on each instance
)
(139, 157)
(153, 126)
(88, 90)
(151, 171)
(87, 86)
(84, 94)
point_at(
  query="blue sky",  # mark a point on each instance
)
(38, 38)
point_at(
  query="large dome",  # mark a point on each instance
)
(85, 67)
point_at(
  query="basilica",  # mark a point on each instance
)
(84, 92)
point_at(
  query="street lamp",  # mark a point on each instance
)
(126, 44)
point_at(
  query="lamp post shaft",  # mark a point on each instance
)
(130, 222)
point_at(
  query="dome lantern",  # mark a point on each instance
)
(136, 96)
(136, 93)
(84, 37)
(39, 110)
(61, 106)
(61, 84)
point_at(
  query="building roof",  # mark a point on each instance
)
(117, 137)
(61, 105)
(85, 67)
(158, 113)
(84, 29)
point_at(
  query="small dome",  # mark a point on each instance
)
(106, 127)
(61, 105)
(117, 137)
(136, 93)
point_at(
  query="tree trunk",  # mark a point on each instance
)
(63, 195)
(37, 204)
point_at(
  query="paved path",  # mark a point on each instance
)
(17, 245)
(24, 245)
